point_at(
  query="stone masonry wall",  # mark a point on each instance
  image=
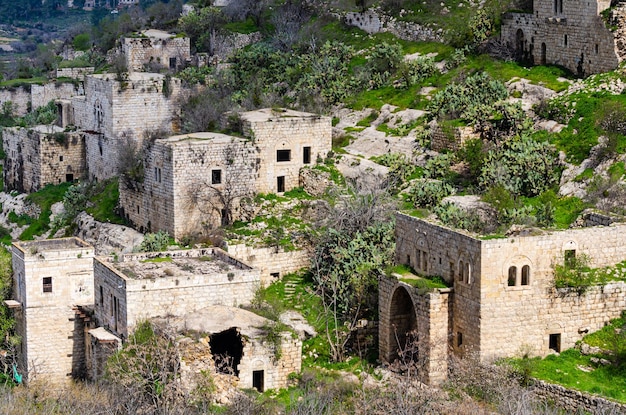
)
(136, 299)
(455, 139)
(573, 401)
(34, 96)
(41, 155)
(258, 355)
(575, 37)
(434, 250)
(147, 51)
(272, 131)
(270, 261)
(375, 21)
(403, 308)
(74, 73)
(52, 341)
(526, 315)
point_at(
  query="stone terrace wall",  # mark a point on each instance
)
(573, 401)
(514, 316)
(563, 38)
(271, 261)
(441, 140)
(435, 250)
(286, 130)
(53, 346)
(76, 73)
(19, 97)
(258, 355)
(374, 21)
(143, 298)
(428, 313)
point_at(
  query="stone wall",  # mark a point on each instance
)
(26, 98)
(289, 132)
(404, 309)
(74, 73)
(504, 298)
(258, 355)
(228, 43)
(574, 36)
(273, 263)
(52, 335)
(42, 155)
(375, 21)
(573, 401)
(166, 51)
(122, 300)
(453, 140)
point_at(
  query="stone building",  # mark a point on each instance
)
(155, 49)
(74, 310)
(502, 298)
(29, 97)
(41, 155)
(53, 279)
(196, 182)
(563, 32)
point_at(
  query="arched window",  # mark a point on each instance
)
(525, 275)
(467, 273)
(461, 268)
(512, 276)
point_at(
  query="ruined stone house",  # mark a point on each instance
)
(155, 49)
(41, 155)
(196, 182)
(501, 299)
(563, 32)
(73, 310)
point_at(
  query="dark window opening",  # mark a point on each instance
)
(224, 217)
(101, 296)
(597, 49)
(100, 148)
(280, 184)
(283, 155)
(258, 380)
(216, 177)
(172, 63)
(275, 275)
(227, 349)
(525, 275)
(459, 339)
(565, 40)
(306, 157)
(47, 284)
(408, 260)
(69, 177)
(555, 342)
(61, 157)
(512, 280)
(461, 267)
(570, 257)
(137, 209)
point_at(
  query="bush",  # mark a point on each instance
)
(155, 242)
(428, 192)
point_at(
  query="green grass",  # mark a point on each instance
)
(246, 27)
(409, 276)
(14, 83)
(159, 259)
(585, 175)
(105, 199)
(44, 198)
(566, 209)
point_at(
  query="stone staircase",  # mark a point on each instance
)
(292, 281)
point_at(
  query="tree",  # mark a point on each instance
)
(202, 27)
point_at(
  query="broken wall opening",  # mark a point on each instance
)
(227, 350)
(403, 323)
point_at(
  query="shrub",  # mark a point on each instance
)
(455, 217)
(428, 192)
(155, 242)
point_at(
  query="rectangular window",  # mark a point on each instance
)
(275, 275)
(283, 155)
(306, 155)
(570, 257)
(555, 342)
(172, 63)
(47, 284)
(101, 296)
(216, 177)
(459, 339)
(280, 184)
(61, 157)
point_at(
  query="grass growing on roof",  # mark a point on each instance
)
(44, 198)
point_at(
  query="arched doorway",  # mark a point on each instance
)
(403, 327)
(519, 44)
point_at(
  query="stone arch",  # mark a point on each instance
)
(517, 271)
(402, 322)
(520, 41)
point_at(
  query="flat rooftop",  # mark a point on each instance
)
(273, 114)
(176, 264)
(52, 244)
(202, 137)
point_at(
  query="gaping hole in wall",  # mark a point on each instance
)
(403, 328)
(227, 349)
(258, 380)
(555, 342)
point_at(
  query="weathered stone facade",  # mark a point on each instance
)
(51, 278)
(450, 138)
(196, 182)
(134, 289)
(376, 21)
(155, 49)
(42, 155)
(503, 296)
(273, 263)
(563, 32)
(26, 98)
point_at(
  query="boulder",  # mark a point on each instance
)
(107, 238)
